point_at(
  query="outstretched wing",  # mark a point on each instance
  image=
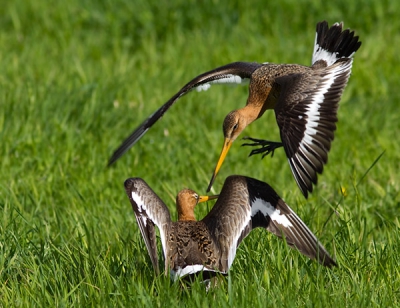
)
(269, 211)
(149, 210)
(306, 113)
(307, 105)
(229, 221)
(245, 204)
(237, 72)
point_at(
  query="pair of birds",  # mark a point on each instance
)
(305, 100)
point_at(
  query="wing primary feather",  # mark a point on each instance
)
(149, 211)
(224, 73)
(299, 236)
(282, 221)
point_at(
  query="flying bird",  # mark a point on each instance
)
(208, 246)
(305, 100)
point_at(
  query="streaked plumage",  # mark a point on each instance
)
(305, 100)
(209, 245)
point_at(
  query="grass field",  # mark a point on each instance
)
(76, 77)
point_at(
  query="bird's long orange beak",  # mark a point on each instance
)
(225, 149)
(206, 198)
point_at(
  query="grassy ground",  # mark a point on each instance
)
(77, 76)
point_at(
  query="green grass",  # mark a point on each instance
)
(77, 76)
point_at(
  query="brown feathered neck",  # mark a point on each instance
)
(186, 201)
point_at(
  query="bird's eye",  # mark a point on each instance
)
(235, 126)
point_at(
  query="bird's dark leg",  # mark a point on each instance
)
(267, 147)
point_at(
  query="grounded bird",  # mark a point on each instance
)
(305, 100)
(209, 246)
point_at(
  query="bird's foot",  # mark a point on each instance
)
(267, 147)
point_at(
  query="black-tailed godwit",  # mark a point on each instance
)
(209, 245)
(305, 100)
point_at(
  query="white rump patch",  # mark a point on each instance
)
(260, 205)
(188, 270)
(230, 79)
(323, 54)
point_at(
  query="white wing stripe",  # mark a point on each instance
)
(307, 137)
(233, 79)
(142, 208)
(313, 114)
(322, 54)
(234, 243)
(260, 205)
(232, 250)
(203, 87)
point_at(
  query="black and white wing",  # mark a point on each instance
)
(229, 221)
(244, 204)
(149, 210)
(234, 73)
(269, 211)
(307, 105)
(306, 113)
(334, 43)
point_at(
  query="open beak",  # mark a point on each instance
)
(206, 198)
(225, 149)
